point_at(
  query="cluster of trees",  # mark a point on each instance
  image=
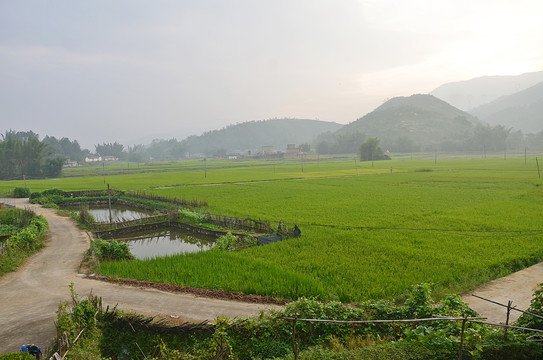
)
(348, 143)
(23, 154)
(158, 150)
(66, 148)
(483, 137)
(370, 151)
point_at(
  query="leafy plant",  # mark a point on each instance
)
(109, 250)
(230, 242)
(192, 216)
(20, 192)
(536, 307)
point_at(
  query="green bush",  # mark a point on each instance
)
(16, 217)
(28, 237)
(193, 217)
(109, 250)
(85, 217)
(20, 192)
(17, 356)
(536, 307)
(231, 242)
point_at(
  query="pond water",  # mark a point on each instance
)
(118, 213)
(170, 241)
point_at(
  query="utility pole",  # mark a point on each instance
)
(356, 166)
(109, 204)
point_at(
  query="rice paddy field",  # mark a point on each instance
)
(369, 231)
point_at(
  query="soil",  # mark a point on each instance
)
(209, 293)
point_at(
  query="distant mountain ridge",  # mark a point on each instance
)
(475, 92)
(421, 119)
(521, 111)
(253, 135)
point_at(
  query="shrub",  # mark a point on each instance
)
(20, 192)
(17, 356)
(109, 250)
(536, 307)
(193, 216)
(85, 217)
(28, 237)
(231, 242)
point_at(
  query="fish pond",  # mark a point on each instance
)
(168, 241)
(118, 213)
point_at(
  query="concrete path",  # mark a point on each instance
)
(517, 287)
(29, 297)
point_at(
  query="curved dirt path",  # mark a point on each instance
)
(30, 297)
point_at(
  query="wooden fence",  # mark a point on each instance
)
(128, 223)
(176, 201)
(258, 226)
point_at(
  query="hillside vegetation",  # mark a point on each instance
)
(414, 122)
(253, 135)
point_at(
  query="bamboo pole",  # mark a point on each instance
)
(512, 308)
(460, 352)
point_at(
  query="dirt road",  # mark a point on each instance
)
(29, 297)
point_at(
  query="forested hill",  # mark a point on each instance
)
(521, 111)
(421, 120)
(253, 135)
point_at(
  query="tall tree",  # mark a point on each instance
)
(370, 150)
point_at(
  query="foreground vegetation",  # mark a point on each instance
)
(102, 333)
(21, 235)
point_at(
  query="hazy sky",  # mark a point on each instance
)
(130, 71)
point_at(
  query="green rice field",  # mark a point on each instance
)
(368, 232)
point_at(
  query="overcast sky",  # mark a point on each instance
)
(130, 71)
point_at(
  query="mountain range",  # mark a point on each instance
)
(416, 122)
(521, 111)
(475, 92)
(445, 116)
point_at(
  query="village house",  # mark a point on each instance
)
(292, 152)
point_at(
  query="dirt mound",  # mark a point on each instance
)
(209, 293)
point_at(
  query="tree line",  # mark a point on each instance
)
(483, 138)
(23, 154)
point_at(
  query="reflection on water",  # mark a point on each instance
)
(157, 243)
(118, 213)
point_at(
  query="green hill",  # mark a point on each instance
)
(420, 120)
(253, 135)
